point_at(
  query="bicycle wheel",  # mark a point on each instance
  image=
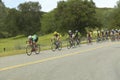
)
(53, 47)
(68, 44)
(37, 49)
(73, 44)
(98, 40)
(60, 46)
(78, 42)
(89, 41)
(29, 50)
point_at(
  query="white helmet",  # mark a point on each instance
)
(116, 29)
(76, 31)
(29, 37)
(69, 31)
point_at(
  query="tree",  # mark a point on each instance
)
(115, 16)
(48, 22)
(76, 14)
(30, 17)
(11, 22)
(3, 14)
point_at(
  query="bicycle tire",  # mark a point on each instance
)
(68, 44)
(37, 51)
(29, 50)
(78, 42)
(60, 46)
(53, 47)
(73, 44)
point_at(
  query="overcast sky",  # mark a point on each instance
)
(48, 5)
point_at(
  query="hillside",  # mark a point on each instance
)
(103, 15)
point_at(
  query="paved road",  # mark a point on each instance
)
(88, 62)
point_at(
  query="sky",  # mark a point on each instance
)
(48, 5)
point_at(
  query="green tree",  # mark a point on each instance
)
(30, 17)
(115, 16)
(48, 22)
(3, 14)
(76, 14)
(11, 22)
(104, 17)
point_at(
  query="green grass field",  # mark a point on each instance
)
(17, 45)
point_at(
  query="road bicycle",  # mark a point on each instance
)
(32, 49)
(70, 43)
(56, 45)
(77, 42)
(89, 40)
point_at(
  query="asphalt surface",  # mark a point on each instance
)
(97, 61)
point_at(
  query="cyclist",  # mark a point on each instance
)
(112, 35)
(56, 36)
(72, 39)
(117, 34)
(77, 36)
(102, 35)
(106, 35)
(56, 39)
(33, 39)
(89, 37)
(30, 40)
(71, 36)
(98, 36)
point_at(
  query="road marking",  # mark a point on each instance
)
(52, 58)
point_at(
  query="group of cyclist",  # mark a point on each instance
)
(104, 35)
(56, 39)
(115, 34)
(74, 36)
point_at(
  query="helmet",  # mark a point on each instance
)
(76, 31)
(116, 29)
(55, 33)
(69, 31)
(29, 37)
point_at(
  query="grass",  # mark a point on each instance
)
(12, 45)
(9, 53)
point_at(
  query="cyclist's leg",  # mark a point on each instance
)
(35, 44)
(55, 43)
(70, 41)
